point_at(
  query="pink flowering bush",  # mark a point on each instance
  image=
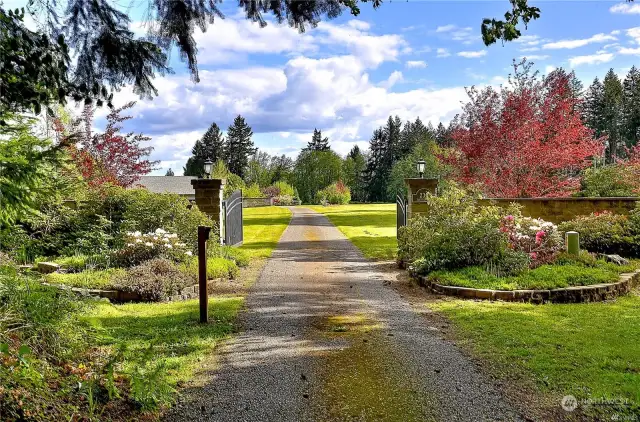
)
(537, 238)
(141, 247)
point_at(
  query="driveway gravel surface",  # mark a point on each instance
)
(325, 338)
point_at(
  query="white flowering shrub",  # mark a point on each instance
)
(141, 247)
(537, 238)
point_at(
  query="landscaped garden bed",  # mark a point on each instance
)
(460, 248)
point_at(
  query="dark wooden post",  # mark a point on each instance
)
(203, 236)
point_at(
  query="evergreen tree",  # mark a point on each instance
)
(443, 135)
(631, 107)
(210, 147)
(593, 108)
(352, 170)
(239, 146)
(612, 114)
(318, 143)
(384, 152)
(169, 173)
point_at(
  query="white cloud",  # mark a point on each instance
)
(590, 59)
(634, 33)
(528, 40)
(570, 44)
(615, 32)
(416, 64)
(535, 57)
(548, 69)
(629, 51)
(443, 52)
(395, 77)
(465, 35)
(472, 54)
(529, 49)
(446, 28)
(625, 9)
(358, 24)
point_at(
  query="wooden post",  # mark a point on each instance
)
(573, 243)
(203, 236)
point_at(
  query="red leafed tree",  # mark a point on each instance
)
(525, 139)
(111, 157)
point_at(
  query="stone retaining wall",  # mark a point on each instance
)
(256, 202)
(558, 210)
(576, 294)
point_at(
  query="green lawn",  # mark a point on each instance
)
(263, 227)
(586, 350)
(371, 227)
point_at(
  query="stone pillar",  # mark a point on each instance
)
(417, 192)
(209, 200)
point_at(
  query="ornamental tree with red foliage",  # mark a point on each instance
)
(110, 157)
(524, 139)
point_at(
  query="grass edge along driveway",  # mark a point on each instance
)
(370, 227)
(167, 337)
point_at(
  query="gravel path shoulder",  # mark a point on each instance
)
(325, 338)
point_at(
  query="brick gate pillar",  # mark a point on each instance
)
(417, 193)
(209, 200)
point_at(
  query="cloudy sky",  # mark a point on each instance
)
(349, 74)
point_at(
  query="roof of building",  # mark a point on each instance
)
(167, 184)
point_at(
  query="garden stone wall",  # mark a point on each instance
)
(558, 210)
(256, 202)
(575, 294)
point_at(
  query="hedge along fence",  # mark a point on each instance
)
(557, 210)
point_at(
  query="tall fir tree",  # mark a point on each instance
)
(170, 173)
(612, 114)
(593, 108)
(384, 152)
(239, 146)
(210, 147)
(443, 135)
(352, 169)
(318, 143)
(631, 107)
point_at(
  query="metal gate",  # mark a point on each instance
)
(233, 235)
(401, 213)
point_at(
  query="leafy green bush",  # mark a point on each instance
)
(217, 267)
(335, 194)
(611, 180)
(239, 256)
(155, 280)
(283, 200)
(252, 191)
(284, 188)
(605, 232)
(455, 233)
(90, 279)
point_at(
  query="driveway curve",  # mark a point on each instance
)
(324, 338)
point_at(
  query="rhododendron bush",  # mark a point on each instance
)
(537, 238)
(524, 139)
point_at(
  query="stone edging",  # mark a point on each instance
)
(574, 294)
(120, 296)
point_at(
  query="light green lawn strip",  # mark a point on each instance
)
(586, 350)
(90, 279)
(173, 329)
(263, 227)
(371, 227)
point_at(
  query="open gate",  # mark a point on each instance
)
(401, 212)
(233, 234)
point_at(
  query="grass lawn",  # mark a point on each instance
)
(178, 342)
(371, 227)
(543, 277)
(588, 350)
(263, 227)
(90, 279)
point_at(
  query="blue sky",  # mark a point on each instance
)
(347, 75)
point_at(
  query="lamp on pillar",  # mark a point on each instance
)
(208, 168)
(420, 166)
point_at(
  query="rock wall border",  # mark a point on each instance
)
(574, 294)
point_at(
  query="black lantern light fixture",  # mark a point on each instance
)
(208, 168)
(420, 166)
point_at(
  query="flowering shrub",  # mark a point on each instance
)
(154, 280)
(537, 238)
(143, 247)
(455, 233)
(337, 194)
(606, 232)
(283, 200)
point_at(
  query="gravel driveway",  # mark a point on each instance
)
(325, 338)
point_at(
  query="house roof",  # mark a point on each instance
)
(167, 184)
